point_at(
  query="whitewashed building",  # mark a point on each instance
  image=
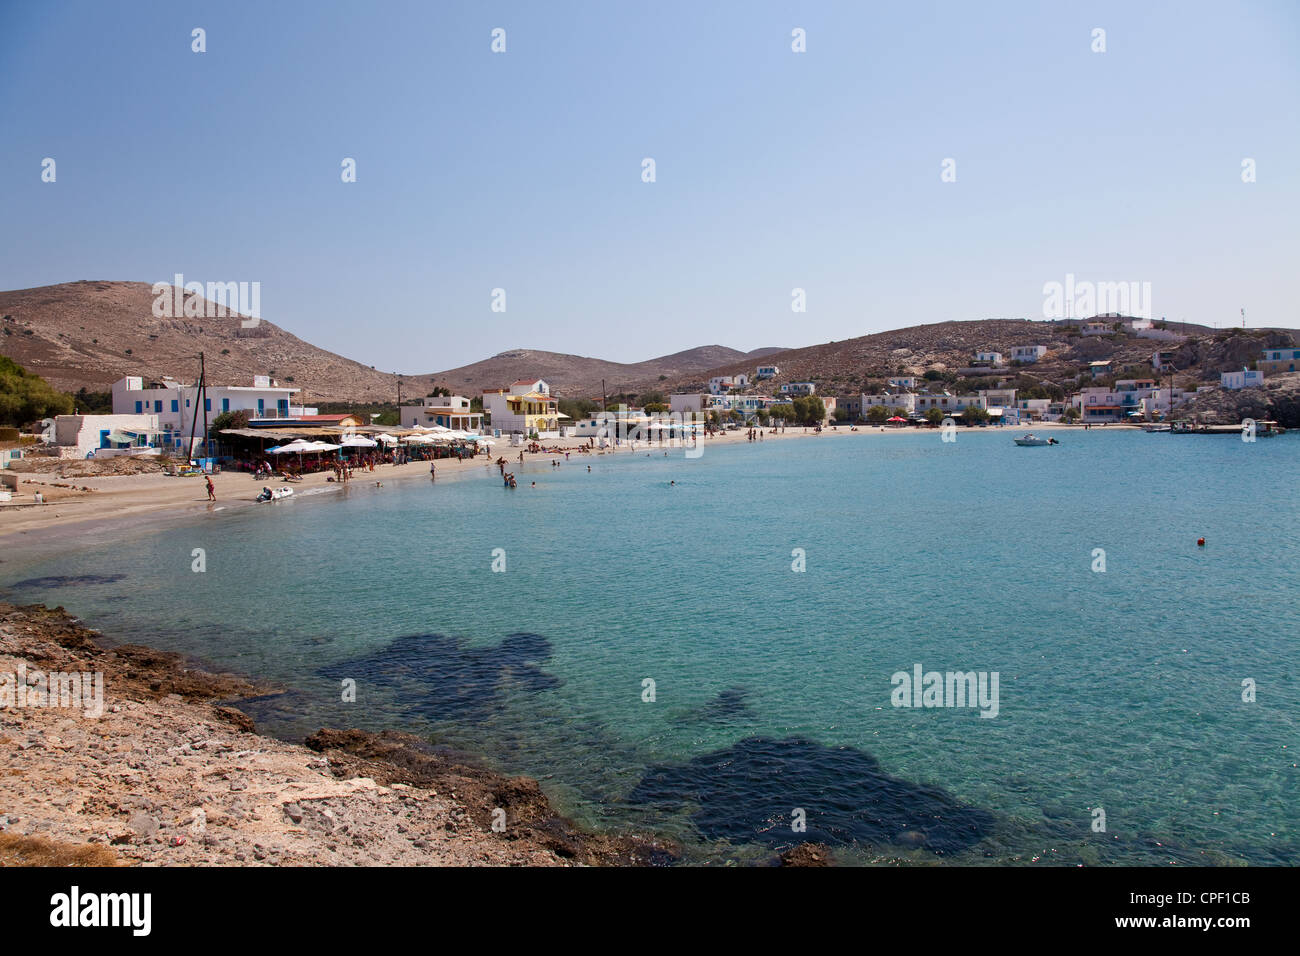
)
(949, 403)
(1246, 378)
(903, 400)
(767, 371)
(720, 384)
(106, 436)
(175, 404)
(1028, 353)
(449, 411)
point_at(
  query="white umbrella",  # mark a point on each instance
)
(387, 439)
(358, 441)
(297, 446)
(320, 446)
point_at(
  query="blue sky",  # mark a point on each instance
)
(775, 170)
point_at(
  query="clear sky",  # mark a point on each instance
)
(774, 170)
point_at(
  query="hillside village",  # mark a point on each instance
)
(1107, 369)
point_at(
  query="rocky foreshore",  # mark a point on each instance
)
(1277, 400)
(166, 775)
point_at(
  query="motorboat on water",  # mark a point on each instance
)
(1031, 441)
(274, 494)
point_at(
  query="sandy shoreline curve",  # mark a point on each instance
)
(159, 497)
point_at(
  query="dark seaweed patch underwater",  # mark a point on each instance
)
(66, 580)
(731, 704)
(748, 792)
(442, 678)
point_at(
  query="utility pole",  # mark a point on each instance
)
(200, 395)
(203, 387)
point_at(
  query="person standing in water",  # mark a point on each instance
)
(212, 490)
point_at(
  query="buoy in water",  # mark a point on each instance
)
(1200, 542)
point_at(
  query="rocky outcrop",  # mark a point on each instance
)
(168, 774)
(1277, 400)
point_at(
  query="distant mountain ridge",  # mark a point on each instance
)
(92, 333)
(574, 375)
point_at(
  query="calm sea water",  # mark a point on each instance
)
(1118, 691)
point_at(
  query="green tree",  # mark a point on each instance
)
(578, 408)
(973, 414)
(877, 414)
(235, 419)
(92, 403)
(934, 416)
(26, 398)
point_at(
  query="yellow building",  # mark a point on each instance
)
(524, 407)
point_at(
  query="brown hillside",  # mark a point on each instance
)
(93, 333)
(577, 376)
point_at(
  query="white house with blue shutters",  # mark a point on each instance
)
(176, 405)
(105, 436)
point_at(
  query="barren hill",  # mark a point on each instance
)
(577, 376)
(93, 333)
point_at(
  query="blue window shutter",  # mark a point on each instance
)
(139, 407)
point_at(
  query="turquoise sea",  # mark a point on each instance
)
(1119, 691)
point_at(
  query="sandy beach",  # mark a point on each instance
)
(74, 501)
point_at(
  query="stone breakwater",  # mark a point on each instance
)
(168, 775)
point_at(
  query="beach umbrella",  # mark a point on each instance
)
(358, 441)
(297, 446)
(320, 446)
(387, 439)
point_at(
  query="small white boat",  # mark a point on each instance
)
(1033, 442)
(274, 494)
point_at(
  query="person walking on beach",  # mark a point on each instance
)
(433, 474)
(212, 491)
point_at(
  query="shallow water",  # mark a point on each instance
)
(1119, 690)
